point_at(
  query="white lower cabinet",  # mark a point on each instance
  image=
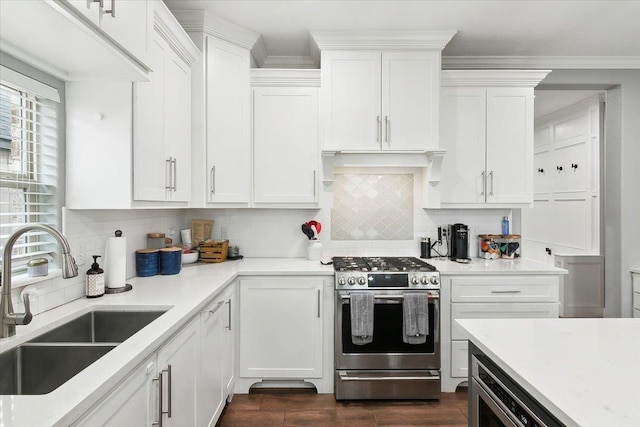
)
(216, 367)
(281, 328)
(134, 402)
(489, 297)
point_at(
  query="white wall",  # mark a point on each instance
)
(622, 175)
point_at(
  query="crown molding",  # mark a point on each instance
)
(265, 77)
(496, 78)
(259, 52)
(166, 25)
(201, 21)
(541, 62)
(276, 61)
(387, 40)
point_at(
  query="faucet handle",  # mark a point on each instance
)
(26, 317)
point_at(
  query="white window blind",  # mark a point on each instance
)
(28, 171)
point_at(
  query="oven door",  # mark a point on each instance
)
(387, 350)
(486, 412)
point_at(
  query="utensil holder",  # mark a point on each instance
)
(314, 250)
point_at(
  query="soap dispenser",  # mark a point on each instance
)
(95, 280)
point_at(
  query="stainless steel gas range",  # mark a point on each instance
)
(387, 367)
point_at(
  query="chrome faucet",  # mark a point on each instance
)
(10, 319)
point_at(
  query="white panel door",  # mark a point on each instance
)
(410, 88)
(285, 145)
(129, 27)
(351, 85)
(210, 387)
(181, 353)
(133, 403)
(281, 328)
(228, 122)
(230, 322)
(150, 166)
(543, 171)
(536, 220)
(462, 134)
(571, 168)
(177, 125)
(509, 145)
(571, 228)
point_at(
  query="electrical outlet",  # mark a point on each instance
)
(224, 232)
(81, 253)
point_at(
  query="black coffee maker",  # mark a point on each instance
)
(458, 237)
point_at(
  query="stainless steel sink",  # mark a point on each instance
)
(31, 369)
(44, 363)
(100, 327)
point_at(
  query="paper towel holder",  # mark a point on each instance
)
(126, 287)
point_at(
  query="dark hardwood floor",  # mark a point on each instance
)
(301, 408)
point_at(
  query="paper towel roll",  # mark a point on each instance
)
(115, 270)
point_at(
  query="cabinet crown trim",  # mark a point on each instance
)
(201, 21)
(492, 78)
(541, 62)
(166, 25)
(381, 40)
(262, 77)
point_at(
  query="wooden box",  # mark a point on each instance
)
(214, 251)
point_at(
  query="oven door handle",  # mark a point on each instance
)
(344, 377)
(430, 295)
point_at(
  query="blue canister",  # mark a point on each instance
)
(170, 260)
(147, 262)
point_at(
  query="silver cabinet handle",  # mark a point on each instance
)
(229, 313)
(216, 308)
(513, 291)
(169, 391)
(491, 176)
(484, 184)
(160, 412)
(378, 128)
(101, 3)
(319, 298)
(112, 11)
(387, 122)
(175, 174)
(213, 180)
(167, 174)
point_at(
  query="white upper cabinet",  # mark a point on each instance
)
(162, 127)
(486, 129)
(285, 139)
(227, 122)
(80, 39)
(380, 91)
(377, 100)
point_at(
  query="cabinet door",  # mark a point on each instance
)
(509, 145)
(133, 403)
(87, 8)
(285, 145)
(179, 381)
(228, 122)
(281, 328)
(177, 125)
(351, 104)
(462, 134)
(150, 160)
(230, 322)
(129, 27)
(210, 385)
(410, 88)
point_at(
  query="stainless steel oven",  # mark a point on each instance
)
(497, 401)
(387, 367)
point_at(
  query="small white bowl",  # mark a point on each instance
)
(190, 258)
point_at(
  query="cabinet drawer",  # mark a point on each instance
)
(459, 359)
(507, 289)
(499, 311)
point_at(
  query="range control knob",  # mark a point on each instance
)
(362, 280)
(415, 280)
(434, 280)
(341, 281)
(424, 280)
(352, 280)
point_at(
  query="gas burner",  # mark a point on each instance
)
(380, 264)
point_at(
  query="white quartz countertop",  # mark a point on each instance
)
(184, 294)
(584, 371)
(494, 266)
